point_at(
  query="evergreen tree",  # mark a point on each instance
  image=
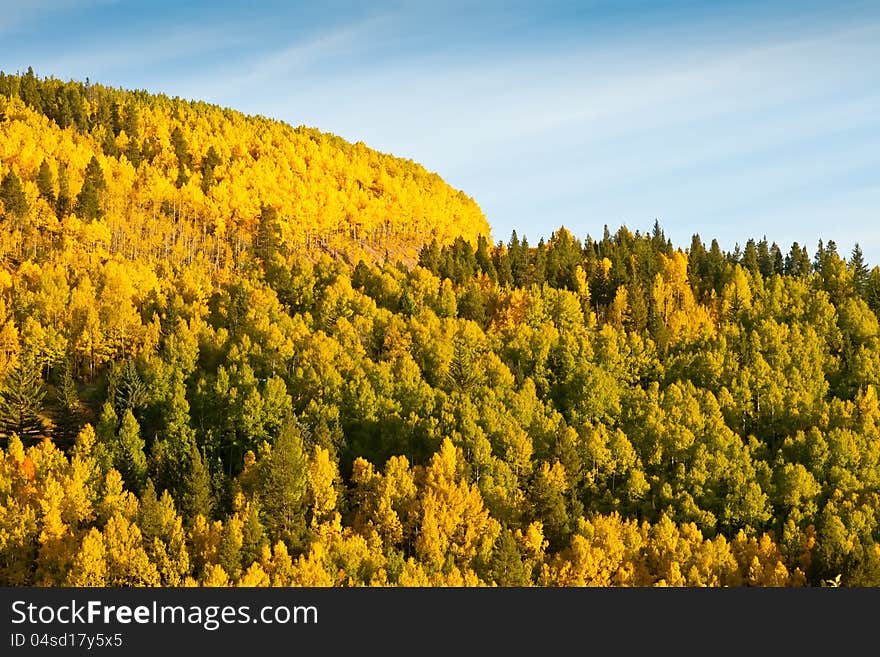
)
(209, 162)
(130, 125)
(128, 452)
(253, 533)
(12, 194)
(463, 374)
(184, 157)
(859, 269)
(21, 401)
(70, 408)
(30, 91)
(765, 260)
(501, 260)
(429, 256)
(268, 241)
(46, 182)
(472, 305)
(282, 486)
(750, 257)
(777, 258)
(131, 393)
(177, 464)
(715, 266)
(507, 567)
(484, 261)
(88, 201)
(520, 259)
(196, 496)
(820, 257)
(698, 267)
(797, 262)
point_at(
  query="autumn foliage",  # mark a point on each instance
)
(237, 353)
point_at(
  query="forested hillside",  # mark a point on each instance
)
(153, 178)
(299, 362)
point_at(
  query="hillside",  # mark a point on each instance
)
(183, 181)
(197, 389)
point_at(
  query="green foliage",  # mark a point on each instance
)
(46, 182)
(265, 411)
(281, 485)
(21, 402)
(88, 205)
(12, 195)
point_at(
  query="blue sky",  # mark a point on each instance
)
(731, 119)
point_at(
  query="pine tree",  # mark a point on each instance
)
(70, 408)
(108, 422)
(129, 457)
(283, 485)
(429, 256)
(765, 260)
(210, 161)
(859, 269)
(131, 392)
(21, 401)
(184, 158)
(797, 262)
(177, 465)
(196, 496)
(501, 259)
(484, 261)
(507, 567)
(12, 194)
(268, 240)
(778, 260)
(30, 91)
(88, 201)
(46, 182)
(253, 533)
(463, 374)
(750, 257)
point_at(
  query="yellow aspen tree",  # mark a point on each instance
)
(455, 525)
(215, 577)
(57, 543)
(255, 576)
(89, 567)
(322, 477)
(127, 562)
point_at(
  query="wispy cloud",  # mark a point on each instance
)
(144, 50)
(302, 57)
(19, 14)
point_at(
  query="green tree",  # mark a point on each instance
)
(507, 567)
(21, 401)
(70, 407)
(46, 182)
(859, 269)
(131, 392)
(196, 495)
(129, 457)
(210, 161)
(750, 257)
(12, 194)
(177, 464)
(282, 485)
(88, 204)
